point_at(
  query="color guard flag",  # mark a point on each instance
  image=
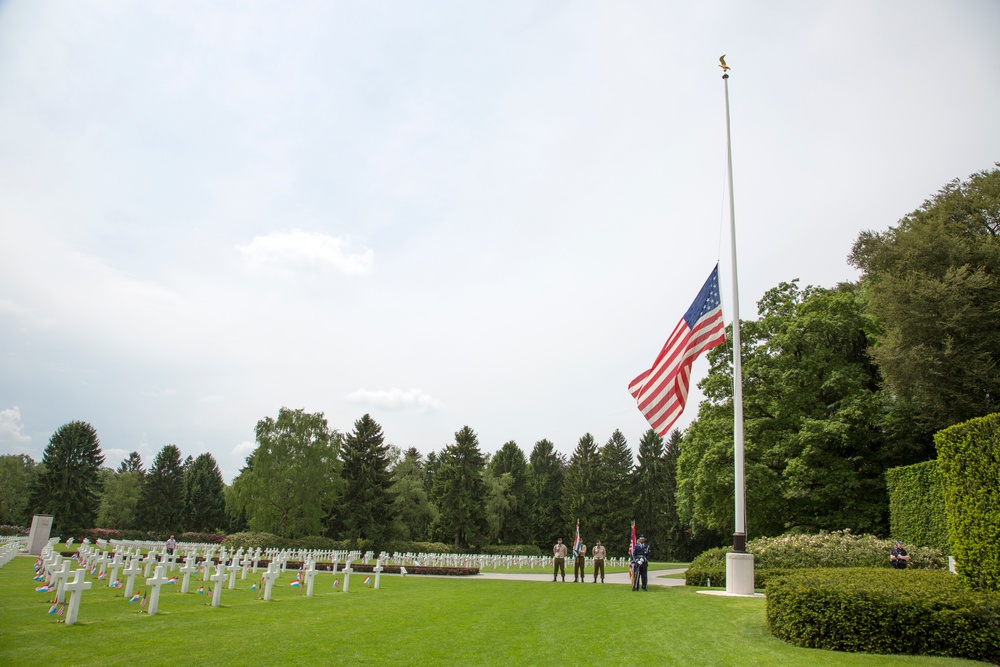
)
(661, 392)
(576, 540)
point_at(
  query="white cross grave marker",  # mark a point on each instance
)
(347, 577)
(218, 578)
(378, 573)
(157, 580)
(115, 565)
(149, 560)
(60, 578)
(310, 571)
(76, 589)
(190, 567)
(269, 577)
(232, 568)
(131, 571)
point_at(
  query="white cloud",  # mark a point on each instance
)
(395, 399)
(10, 426)
(244, 447)
(288, 252)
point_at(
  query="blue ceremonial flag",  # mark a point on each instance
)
(661, 392)
(577, 541)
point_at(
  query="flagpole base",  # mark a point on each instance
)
(739, 574)
(740, 542)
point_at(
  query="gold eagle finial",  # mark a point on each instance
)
(722, 63)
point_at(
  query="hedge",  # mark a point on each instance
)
(884, 611)
(776, 555)
(969, 456)
(916, 505)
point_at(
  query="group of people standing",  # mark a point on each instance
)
(639, 562)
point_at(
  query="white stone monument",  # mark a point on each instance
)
(38, 536)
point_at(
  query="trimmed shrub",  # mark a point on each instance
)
(916, 505)
(11, 531)
(969, 457)
(252, 540)
(883, 610)
(792, 552)
(214, 538)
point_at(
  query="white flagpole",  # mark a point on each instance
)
(739, 564)
(739, 534)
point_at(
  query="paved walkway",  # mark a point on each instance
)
(656, 577)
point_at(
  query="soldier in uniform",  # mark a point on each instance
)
(640, 561)
(599, 553)
(580, 563)
(559, 560)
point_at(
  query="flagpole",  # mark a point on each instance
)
(739, 534)
(739, 564)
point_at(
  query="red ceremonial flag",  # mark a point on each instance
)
(661, 392)
(577, 541)
(631, 546)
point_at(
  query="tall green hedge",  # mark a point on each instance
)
(916, 505)
(884, 611)
(969, 456)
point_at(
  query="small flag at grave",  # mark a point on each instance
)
(336, 583)
(116, 584)
(62, 610)
(52, 609)
(367, 580)
(172, 580)
(253, 587)
(296, 582)
(44, 589)
(93, 570)
(142, 602)
(39, 577)
(102, 575)
(201, 590)
(134, 598)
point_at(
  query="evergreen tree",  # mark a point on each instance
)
(613, 509)
(161, 501)
(413, 513)
(460, 492)
(132, 464)
(206, 500)
(514, 527)
(366, 509)
(546, 469)
(68, 486)
(580, 486)
(655, 508)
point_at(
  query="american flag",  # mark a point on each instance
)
(661, 392)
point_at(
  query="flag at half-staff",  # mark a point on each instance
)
(661, 392)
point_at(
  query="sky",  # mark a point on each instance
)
(438, 213)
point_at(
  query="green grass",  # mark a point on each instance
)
(410, 621)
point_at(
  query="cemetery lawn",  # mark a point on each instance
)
(412, 620)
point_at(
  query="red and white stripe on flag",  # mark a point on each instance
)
(661, 392)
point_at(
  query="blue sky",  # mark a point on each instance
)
(438, 213)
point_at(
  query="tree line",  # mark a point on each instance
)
(839, 384)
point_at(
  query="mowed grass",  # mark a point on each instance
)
(410, 621)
